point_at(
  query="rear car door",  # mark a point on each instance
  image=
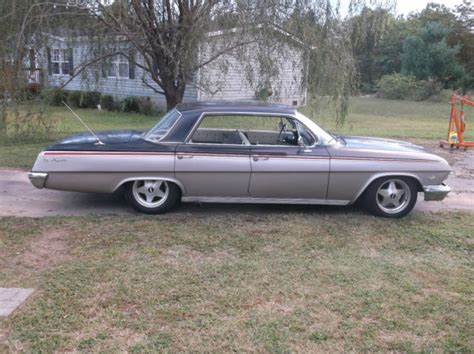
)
(215, 161)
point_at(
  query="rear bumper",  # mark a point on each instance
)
(436, 192)
(37, 179)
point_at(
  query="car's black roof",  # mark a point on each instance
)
(236, 106)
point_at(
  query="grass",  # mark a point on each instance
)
(368, 116)
(391, 118)
(22, 154)
(289, 279)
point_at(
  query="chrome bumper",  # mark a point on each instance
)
(37, 179)
(436, 192)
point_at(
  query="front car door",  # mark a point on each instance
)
(215, 159)
(286, 161)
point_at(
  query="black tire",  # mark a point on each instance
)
(373, 200)
(170, 200)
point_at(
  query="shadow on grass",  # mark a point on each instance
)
(85, 203)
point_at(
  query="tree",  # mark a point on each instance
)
(368, 31)
(427, 56)
(168, 35)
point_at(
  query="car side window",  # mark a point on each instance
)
(250, 130)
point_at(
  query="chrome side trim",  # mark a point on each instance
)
(436, 192)
(151, 178)
(379, 175)
(251, 200)
(38, 179)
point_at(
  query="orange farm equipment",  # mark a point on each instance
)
(457, 124)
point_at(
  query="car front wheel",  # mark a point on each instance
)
(392, 197)
(152, 196)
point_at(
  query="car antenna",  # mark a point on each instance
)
(99, 142)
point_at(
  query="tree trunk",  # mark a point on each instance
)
(173, 98)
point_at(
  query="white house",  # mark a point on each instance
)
(229, 77)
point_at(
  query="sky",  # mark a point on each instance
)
(404, 7)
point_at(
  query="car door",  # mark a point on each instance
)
(214, 162)
(289, 171)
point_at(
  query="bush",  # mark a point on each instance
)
(130, 104)
(57, 97)
(397, 87)
(146, 106)
(90, 99)
(84, 99)
(107, 102)
(74, 99)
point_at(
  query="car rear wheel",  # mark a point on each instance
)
(392, 197)
(152, 196)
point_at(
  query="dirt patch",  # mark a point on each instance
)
(47, 250)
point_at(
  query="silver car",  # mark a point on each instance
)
(243, 152)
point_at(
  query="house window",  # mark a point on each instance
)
(119, 67)
(60, 62)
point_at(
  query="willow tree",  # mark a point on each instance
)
(167, 36)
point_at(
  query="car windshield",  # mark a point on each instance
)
(163, 126)
(324, 136)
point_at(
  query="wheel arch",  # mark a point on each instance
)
(378, 176)
(150, 178)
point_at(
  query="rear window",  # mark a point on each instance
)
(163, 126)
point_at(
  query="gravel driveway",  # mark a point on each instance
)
(19, 198)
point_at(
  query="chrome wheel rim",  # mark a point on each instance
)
(393, 196)
(150, 193)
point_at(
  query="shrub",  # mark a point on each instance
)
(74, 98)
(130, 104)
(84, 99)
(402, 87)
(57, 97)
(90, 99)
(146, 106)
(397, 87)
(107, 102)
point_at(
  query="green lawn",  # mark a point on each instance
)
(368, 116)
(22, 155)
(284, 279)
(390, 118)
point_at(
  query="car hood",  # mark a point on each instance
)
(106, 136)
(369, 143)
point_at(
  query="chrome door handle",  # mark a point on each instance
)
(185, 157)
(256, 158)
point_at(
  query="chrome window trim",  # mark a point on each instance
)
(168, 132)
(292, 116)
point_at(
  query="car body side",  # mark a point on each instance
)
(336, 173)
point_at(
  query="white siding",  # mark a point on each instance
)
(230, 77)
(233, 77)
(92, 79)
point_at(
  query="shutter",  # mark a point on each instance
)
(71, 62)
(32, 58)
(104, 68)
(131, 64)
(50, 66)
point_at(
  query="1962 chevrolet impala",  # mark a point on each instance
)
(243, 152)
